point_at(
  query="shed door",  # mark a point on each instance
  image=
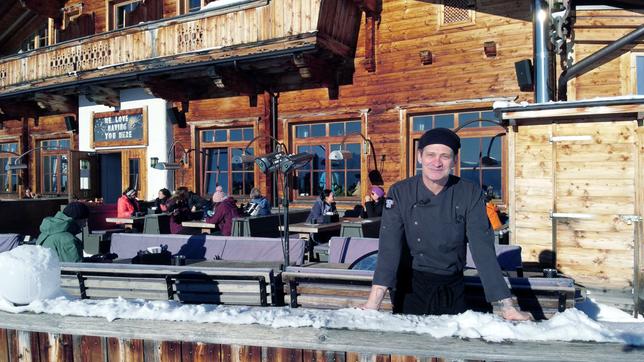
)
(83, 178)
(594, 184)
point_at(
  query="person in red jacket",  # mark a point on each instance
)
(127, 204)
(225, 211)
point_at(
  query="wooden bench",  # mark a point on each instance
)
(343, 288)
(324, 288)
(190, 285)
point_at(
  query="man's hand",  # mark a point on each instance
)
(369, 306)
(513, 314)
(376, 296)
(510, 313)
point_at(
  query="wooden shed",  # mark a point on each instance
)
(575, 178)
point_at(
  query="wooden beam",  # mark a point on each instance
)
(48, 8)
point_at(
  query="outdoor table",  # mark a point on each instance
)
(314, 233)
(205, 227)
(128, 222)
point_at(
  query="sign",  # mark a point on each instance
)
(118, 128)
(126, 127)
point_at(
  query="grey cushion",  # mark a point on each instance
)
(9, 241)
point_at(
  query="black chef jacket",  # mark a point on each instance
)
(436, 229)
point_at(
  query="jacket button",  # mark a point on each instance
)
(415, 222)
(418, 240)
(421, 254)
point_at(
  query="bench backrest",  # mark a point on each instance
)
(348, 249)
(209, 247)
(238, 286)
(9, 241)
(342, 288)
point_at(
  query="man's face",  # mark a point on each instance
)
(437, 160)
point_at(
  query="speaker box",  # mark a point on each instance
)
(177, 117)
(70, 123)
(523, 69)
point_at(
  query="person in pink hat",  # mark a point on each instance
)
(374, 202)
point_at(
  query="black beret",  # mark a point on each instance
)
(443, 136)
(76, 210)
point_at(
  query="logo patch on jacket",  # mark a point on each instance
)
(389, 203)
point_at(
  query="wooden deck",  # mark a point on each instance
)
(93, 339)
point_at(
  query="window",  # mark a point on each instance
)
(122, 12)
(481, 155)
(134, 176)
(8, 178)
(37, 39)
(54, 166)
(223, 148)
(639, 64)
(320, 139)
(457, 13)
(189, 6)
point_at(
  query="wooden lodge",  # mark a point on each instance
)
(99, 95)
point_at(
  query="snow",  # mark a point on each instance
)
(28, 273)
(591, 322)
(506, 104)
(222, 4)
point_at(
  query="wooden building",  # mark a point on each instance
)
(101, 90)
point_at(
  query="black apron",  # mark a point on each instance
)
(433, 294)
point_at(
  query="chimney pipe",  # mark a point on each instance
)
(543, 90)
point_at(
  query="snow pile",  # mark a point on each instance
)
(29, 273)
(571, 325)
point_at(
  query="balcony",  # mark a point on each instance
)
(241, 49)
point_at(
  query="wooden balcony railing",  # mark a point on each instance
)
(257, 27)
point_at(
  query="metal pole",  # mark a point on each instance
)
(274, 124)
(286, 242)
(541, 23)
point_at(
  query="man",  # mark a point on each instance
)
(57, 232)
(436, 214)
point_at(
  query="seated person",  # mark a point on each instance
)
(127, 205)
(374, 202)
(177, 206)
(195, 202)
(325, 205)
(29, 194)
(161, 202)
(58, 232)
(224, 212)
(258, 205)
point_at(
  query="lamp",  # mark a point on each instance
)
(341, 154)
(167, 165)
(293, 162)
(246, 158)
(18, 165)
(269, 162)
(489, 48)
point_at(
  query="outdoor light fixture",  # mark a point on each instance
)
(246, 158)
(477, 120)
(293, 162)
(167, 165)
(338, 155)
(17, 163)
(341, 154)
(269, 162)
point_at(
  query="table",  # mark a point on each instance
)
(303, 227)
(205, 227)
(128, 222)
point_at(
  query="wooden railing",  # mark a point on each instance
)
(255, 22)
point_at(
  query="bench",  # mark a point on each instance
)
(342, 288)
(185, 284)
(209, 247)
(265, 225)
(9, 241)
(323, 288)
(349, 249)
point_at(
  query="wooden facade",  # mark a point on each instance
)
(387, 65)
(575, 178)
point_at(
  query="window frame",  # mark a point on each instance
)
(10, 174)
(43, 155)
(327, 142)
(205, 146)
(637, 72)
(487, 131)
(113, 7)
